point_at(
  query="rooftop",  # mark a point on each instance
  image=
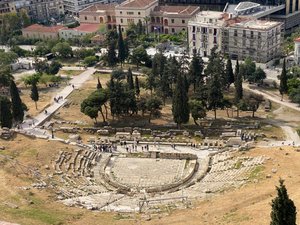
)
(85, 27)
(180, 10)
(99, 7)
(137, 3)
(256, 24)
(43, 29)
(297, 39)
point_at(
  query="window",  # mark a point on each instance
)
(120, 12)
(95, 18)
(139, 13)
(122, 29)
(194, 44)
(173, 30)
(130, 13)
(235, 33)
(85, 18)
(183, 21)
(244, 33)
(194, 36)
(172, 20)
(215, 40)
(193, 29)
(215, 31)
(121, 20)
(251, 34)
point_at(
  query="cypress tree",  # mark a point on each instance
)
(195, 71)
(283, 88)
(34, 95)
(111, 54)
(5, 112)
(238, 84)
(180, 104)
(121, 47)
(17, 106)
(283, 208)
(215, 96)
(229, 72)
(137, 86)
(130, 80)
(99, 86)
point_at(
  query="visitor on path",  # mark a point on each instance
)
(46, 112)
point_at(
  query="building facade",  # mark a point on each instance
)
(6, 6)
(134, 11)
(74, 6)
(103, 14)
(297, 51)
(77, 32)
(171, 19)
(41, 10)
(238, 37)
(37, 31)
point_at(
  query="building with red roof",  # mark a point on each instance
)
(36, 31)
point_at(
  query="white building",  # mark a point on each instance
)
(239, 37)
(297, 51)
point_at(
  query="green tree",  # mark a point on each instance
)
(283, 87)
(283, 208)
(251, 102)
(54, 67)
(139, 55)
(258, 76)
(5, 112)
(238, 84)
(137, 86)
(17, 105)
(99, 86)
(121, 47)
(195, 71)
(247, 68)
(95, 101)
(229, 72)
(153, 105)
(215, 96)
(180, 103)
(90, 60)
(5, 76)
(111, 54)
(197, 109)
(7, 58)
(41, 66)
(34, 95)
(63, 50)
(130, 80)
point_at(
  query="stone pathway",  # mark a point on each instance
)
(77, 81)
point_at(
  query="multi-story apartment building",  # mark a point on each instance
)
(258, 39)
(74, 6)
(206, 32)
(239, 37)
(41, 10)
(6, 6)
(103, 14)
(172, 19)
(133, 11)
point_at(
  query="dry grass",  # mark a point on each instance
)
(70, 72)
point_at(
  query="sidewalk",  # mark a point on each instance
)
(77, 81)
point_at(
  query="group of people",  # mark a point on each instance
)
(105, 147)
(54, 85)
(57, 99)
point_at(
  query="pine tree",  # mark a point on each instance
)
(180, 104)
(229, 72)
(130, 80)
(5, 112)
(99, 85)
(283, 208)
(121, 47)
(34, 95)
(137, 86)
(17, 105)
(283, 88)
(215, 98)
(111, 54)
